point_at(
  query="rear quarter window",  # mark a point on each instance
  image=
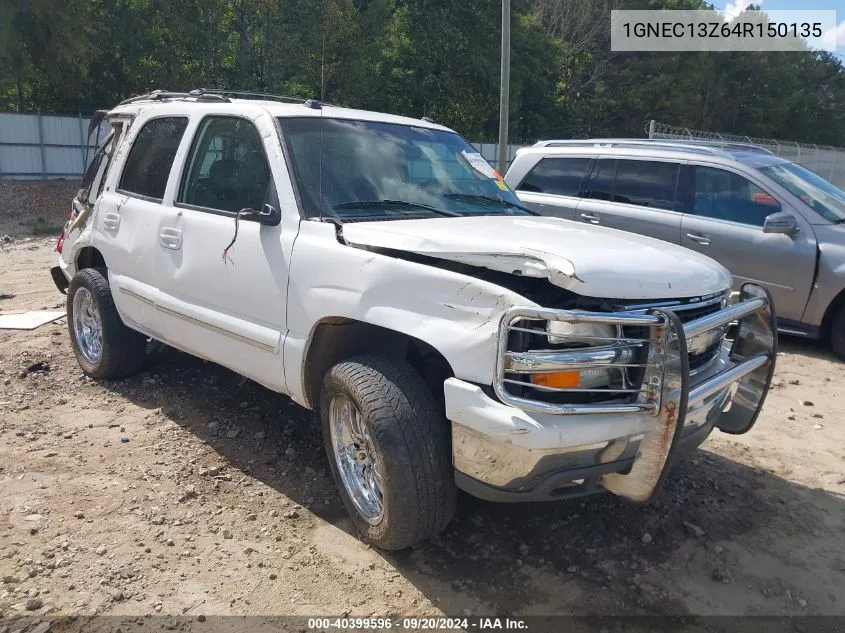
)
(558, 176)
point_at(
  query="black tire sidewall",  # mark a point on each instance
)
(332, 385)
(409, 491)
(85, 279)
(123, 349)
(837, 334)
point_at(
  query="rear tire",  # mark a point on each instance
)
(397, 481)
(104, 347)
(837, 334)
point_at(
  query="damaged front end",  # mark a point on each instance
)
(587, 400)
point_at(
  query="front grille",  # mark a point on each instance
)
(690, 310)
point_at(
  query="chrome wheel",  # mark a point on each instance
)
(356, 460)
(87, 326)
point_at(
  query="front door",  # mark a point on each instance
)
(223, 277)
(724, 216)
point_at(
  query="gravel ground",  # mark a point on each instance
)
(187, 490)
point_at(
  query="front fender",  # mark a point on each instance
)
(830, 276)
(456, 314)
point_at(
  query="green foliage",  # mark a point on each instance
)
(436, 58)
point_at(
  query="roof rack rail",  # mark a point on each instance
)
(162, 95)
(221, 95)
(245, 94)
(248, 94)
(713, 148)
(737, 145)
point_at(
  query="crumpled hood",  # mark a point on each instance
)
(588, 260)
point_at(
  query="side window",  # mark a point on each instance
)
(95, 166)
(646, 183)
(227, 168)
(116, 137)
(151, 157)
(559, 176)
(724, 195)
(600, 186)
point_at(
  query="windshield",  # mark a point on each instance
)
(813, 190)
(349, 170)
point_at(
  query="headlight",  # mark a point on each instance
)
(591, 334)
(581, 335)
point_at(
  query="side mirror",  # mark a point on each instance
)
(268, 214)
(781, 222)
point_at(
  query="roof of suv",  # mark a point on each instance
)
(276, 106)
(745, 153)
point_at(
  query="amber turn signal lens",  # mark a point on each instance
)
(559, 379)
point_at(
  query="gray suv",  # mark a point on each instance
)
(767, 220)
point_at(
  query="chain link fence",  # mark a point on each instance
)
(825, 160)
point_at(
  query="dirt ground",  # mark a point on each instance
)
(187, 490)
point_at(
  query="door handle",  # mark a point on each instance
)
(592, 219)
(111, 221)
(170, 238)
(699, 238)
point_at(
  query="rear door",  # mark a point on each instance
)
(128, 213)
(724, 216)
(638, 196)
(554, 184)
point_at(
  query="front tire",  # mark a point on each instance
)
(389, 450)
(104, 347)
(837, 334)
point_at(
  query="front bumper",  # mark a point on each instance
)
(508, 450)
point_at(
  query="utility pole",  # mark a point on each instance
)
(504, 96)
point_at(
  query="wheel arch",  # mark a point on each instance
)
(334, 339)
(831, 312)
(89, 257)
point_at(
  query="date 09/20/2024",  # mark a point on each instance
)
(417, 624)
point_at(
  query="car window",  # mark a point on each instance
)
(812, 189)
(228, 168)
(646, 183)
(356, 170)
(559, 176)
(94, 172)
(724, 195)
(116, 138)
(151, 157)
(600, 185)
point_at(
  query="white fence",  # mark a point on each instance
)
(41, 147)
(825, 160)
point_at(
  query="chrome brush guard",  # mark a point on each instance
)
(654, 363)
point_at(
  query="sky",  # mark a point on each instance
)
(734, 7)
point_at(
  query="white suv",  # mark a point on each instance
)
(379, 271)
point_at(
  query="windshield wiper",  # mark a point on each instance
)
(483, 198)
(396, 203)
